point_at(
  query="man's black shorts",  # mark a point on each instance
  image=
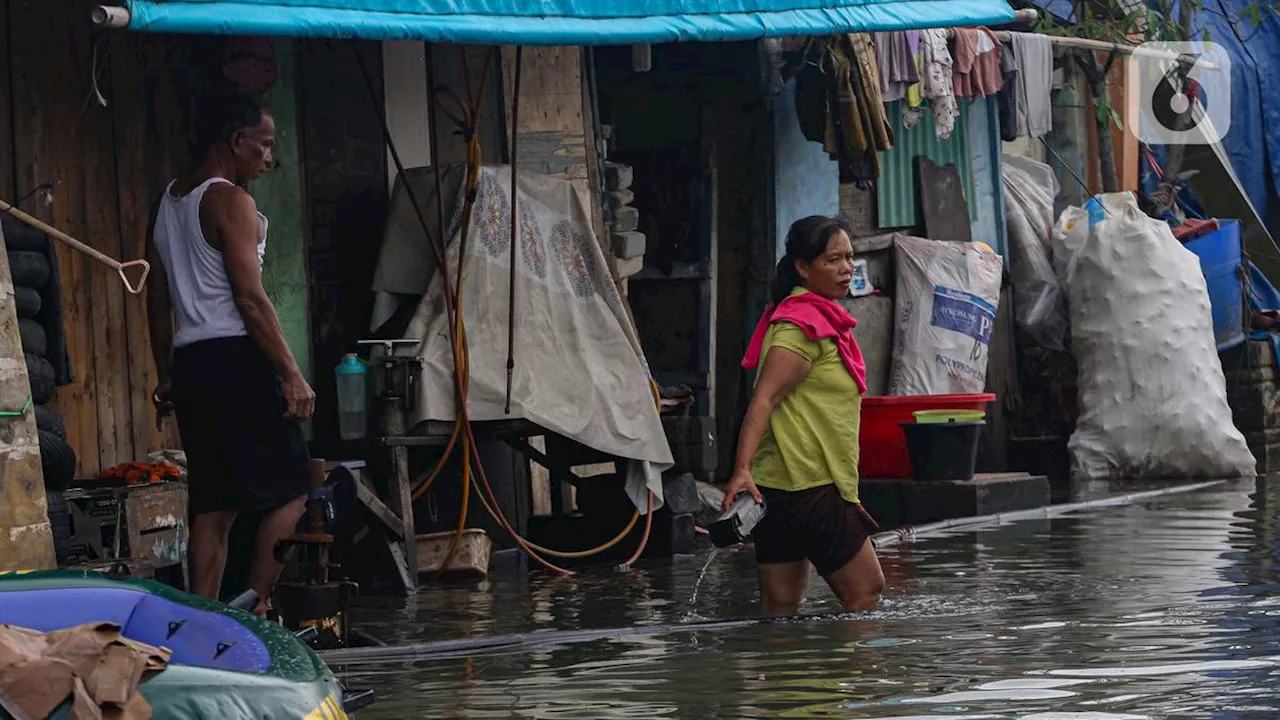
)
(242, 453)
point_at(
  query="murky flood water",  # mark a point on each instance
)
(1167, 608)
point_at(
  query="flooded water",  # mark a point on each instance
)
(1166, 608)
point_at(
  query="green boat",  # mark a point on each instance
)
(226, 663)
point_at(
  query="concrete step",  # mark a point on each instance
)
(1247, 356)
(897, 503)
(1253, 406)
(1267, 455)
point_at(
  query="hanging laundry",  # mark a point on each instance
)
(1007, 97)
(1026, 107)
(868, 88)
(976, 69)
(935, 81)
(913, 92)
(897, 63)
(839, 104)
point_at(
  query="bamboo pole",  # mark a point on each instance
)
(56, 234)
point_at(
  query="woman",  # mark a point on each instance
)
(798, 447)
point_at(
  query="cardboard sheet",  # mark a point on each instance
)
(93, 664)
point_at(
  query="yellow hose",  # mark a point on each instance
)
(462, 432)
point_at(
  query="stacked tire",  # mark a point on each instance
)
(28, 254)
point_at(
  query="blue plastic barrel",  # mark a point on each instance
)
(1223, 268)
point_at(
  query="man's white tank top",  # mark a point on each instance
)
(204, 306)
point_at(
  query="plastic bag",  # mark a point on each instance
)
(1039, 296)
(1153, 399)
(946, 300)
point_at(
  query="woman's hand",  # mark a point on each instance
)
(741, 482)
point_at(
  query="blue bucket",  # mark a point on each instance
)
(1223, 268)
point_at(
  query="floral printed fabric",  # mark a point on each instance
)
(935, 81)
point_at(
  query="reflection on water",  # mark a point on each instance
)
(1169, 608)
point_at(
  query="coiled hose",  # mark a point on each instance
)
(466, 116)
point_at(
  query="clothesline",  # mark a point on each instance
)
(1030, 15)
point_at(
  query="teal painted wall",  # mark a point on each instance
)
(279, 197)
(807, 180)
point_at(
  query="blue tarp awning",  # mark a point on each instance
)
(557, 22)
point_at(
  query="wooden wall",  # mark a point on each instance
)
(109, 163)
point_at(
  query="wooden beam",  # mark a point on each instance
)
(390, 521)
(400, 492)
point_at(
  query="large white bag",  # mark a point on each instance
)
(1039, 297)
(1153, 399)
(946, 300)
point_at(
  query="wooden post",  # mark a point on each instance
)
(27, 542)
(400, 494)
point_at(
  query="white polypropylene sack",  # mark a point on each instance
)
(946, 299)
(1039, 297)
(1153, 399)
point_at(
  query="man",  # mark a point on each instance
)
(226, 372)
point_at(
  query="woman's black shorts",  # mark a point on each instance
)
(816, 524)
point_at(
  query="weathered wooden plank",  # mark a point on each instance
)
(87, 151)
(390, 522)
(46, 113)
(552, 127)
(156, 523)
(151, 149)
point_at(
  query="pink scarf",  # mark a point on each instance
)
(819, 318)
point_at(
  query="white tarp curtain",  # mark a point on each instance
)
(579, 370)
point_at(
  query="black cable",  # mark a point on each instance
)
(515, 235)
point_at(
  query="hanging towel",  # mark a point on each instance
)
(1007, 99)
(935, 80)
(913, 92)
(897, 63)
(1032, 108)
(976, 69)
(820, 319)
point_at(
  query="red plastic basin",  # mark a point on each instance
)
(883, 444)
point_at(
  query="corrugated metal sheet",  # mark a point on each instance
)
(896, 202)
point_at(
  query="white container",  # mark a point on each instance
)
(352, 401)
(861, 284)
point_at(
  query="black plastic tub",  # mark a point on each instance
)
(943, 451)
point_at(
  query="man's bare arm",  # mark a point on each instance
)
(233, 215)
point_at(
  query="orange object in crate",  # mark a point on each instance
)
(139, 473)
